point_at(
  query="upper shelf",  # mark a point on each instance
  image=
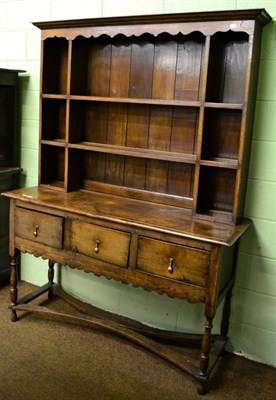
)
(132, 100)
(160, 71)
(128, 100)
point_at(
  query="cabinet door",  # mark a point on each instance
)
(99, 242)
(168, 260)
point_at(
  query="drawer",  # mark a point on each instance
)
(39, 227)
(181, 263)
(99, 242)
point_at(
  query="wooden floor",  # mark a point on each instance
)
(43, 359)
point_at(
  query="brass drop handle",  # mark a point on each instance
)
(97, 246)
(170, 267)
(35, 230)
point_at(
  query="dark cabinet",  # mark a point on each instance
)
(9, 158)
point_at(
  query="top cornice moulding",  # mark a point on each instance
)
(259, 15)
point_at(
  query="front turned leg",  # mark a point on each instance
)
(51, 273)
(204, 357)
(201, 388)
(13, 287)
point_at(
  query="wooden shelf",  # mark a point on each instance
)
(127, 100)
(54, 185)
(54, 96)
(135, 152)
(230, 106)
(131, 100)
(54, 142)
(220, 163)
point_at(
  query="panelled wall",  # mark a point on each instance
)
(253, 321)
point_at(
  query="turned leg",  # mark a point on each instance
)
(204, 356)
(201, 388)
(51, 272)
(13, 285)
(205, 348)
(226, 314)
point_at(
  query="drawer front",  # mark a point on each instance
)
(181, 263)
(39, 227)
(99, 242)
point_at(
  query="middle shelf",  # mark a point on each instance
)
(182, 134)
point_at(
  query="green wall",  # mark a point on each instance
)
(253, 320)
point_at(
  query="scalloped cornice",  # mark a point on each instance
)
(205, 22)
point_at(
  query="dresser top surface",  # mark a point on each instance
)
(132, 212)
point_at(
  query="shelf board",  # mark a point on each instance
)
(135, 152)
(138, 194)
(214, 215)
(54, 142)
(132, 100)
(54, 185)
(220, 163)
(229, 106)
(54, 96)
